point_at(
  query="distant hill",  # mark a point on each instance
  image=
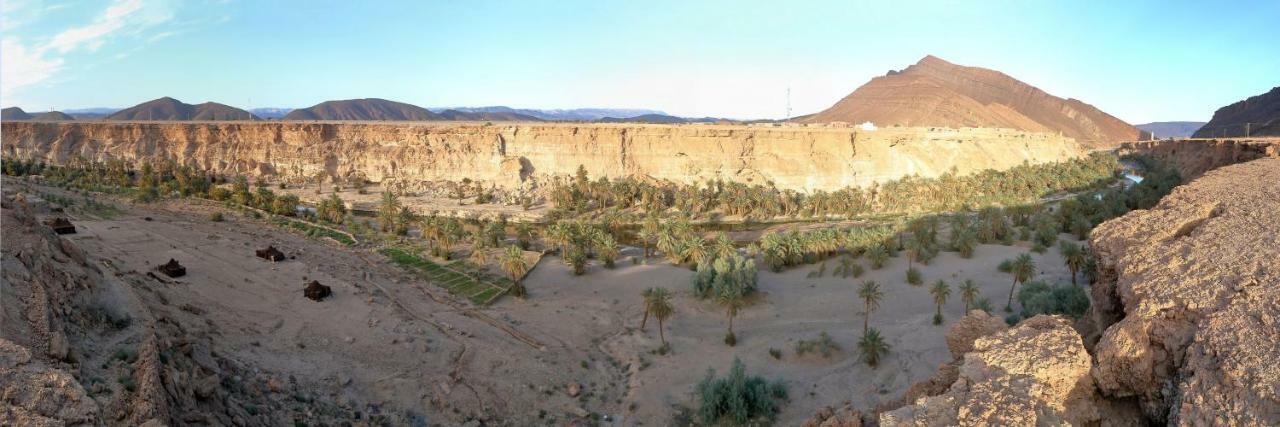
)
(271, 113)
(575, 114)
(934, 92)
(1258, 116)
(167, 108)
(645, 118)
(1171, 129)
(487, 116)
(14, 113)
(52, 116)
(90, 113)
(362, 109)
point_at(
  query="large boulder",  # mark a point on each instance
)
(1036, 373)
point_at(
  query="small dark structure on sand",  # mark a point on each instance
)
(172, 268)
(271, 254)
(61, 225)
(316, 291)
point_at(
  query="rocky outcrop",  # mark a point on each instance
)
(1189, 296)
(1257, 116)
(1037, 373)
(1193, 157)
(934, 92)
(801, 158)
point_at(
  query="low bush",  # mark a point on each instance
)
(738, 398)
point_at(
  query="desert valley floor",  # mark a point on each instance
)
(389, 341)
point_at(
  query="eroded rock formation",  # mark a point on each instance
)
(802, 158)
(1036, 373)
(1189, 298)
(934, 92)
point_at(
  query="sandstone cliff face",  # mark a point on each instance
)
(1194, 157)
(1034, 374)
(792, 158)
(1190, 299)
(934, 92)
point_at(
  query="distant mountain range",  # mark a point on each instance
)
(367, 109)
(1170, 129)
(271, 113)
(576, 114)
(661, 119)
(934, 92)
(167, 108)
(1257, 116)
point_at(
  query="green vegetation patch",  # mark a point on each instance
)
(479, 287)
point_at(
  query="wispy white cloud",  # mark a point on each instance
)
(21, 66)
(94, 35)
(36, 60)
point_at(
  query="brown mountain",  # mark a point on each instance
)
(1258, 116)
(362, 109)
(480, 116)
(52, 116)
(171, 109)
(934, 92)
(14, 113)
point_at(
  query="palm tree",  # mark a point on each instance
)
(940, 291)
(388, 210)
(878, 255)
(657, 302)
(607, 249)
(513, 263)
(968, 293)
(1074, 256)
(695, 249)
(722, 247)
(730, 295)
(965, 242)
(871, 295)
(1022, 269)
(872, 347)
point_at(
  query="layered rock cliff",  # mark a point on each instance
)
(801, 158)
(934, 92)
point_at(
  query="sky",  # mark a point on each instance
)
(1139, 60)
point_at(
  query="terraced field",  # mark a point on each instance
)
(479, 287)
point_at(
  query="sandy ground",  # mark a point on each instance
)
(792, 308)
(389, 341)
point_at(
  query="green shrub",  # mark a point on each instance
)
(738, 398)
(216, 217)
(1038, 298)
(914, 277)
(823, 345)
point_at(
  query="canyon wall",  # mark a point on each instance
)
(800, 158)
(1194, 157)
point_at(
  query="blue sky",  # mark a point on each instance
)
(1139, 60)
